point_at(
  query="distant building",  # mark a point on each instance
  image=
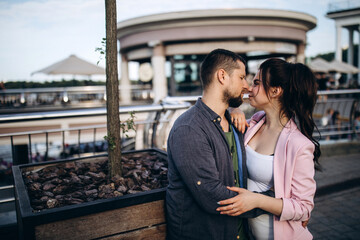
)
(346, 15)
(175, 43)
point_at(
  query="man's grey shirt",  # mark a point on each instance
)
(200, 169)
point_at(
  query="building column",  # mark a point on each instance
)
(350, 54)
(125, 86)
(338, 53)
(159, 79)
(300, 53)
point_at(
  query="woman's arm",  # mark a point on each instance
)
(299, 205)
(247, 200)
(238, 119)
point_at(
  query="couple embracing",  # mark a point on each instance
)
(224, 184)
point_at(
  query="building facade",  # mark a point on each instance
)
(346, 15)
(175, 43)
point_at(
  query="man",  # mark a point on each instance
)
(206, 154)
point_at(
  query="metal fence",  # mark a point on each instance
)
(152, 130)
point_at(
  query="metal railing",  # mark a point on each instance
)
(161, 116)
(155, 119)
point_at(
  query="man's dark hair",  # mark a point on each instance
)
(218, 59)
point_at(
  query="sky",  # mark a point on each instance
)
(38, 33)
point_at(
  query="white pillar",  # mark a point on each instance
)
(338, 44)
(350, 55)
(300, 53)
(159, 79)
(125, 87)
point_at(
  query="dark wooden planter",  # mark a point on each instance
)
(132, 216)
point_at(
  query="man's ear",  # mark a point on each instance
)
(220, 76)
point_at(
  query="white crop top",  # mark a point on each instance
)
(261, 178)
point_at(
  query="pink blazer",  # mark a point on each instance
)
(293, 178)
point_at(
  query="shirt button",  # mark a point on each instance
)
(219, 119)
(237, 237)
(214, 120)
(235, 180)
(198, 183)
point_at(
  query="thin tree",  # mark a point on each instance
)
(112, 91)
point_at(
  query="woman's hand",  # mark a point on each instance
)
(243, 202)
(238, 119)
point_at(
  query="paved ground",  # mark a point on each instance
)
(337, 215)
(337, 205)
(337, 170)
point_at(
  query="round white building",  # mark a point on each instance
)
(175, 43)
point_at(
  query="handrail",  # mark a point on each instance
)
(8, 118)
(87, 89)
(157, 108)
(337, 92)
(7, 200)
(6, 187)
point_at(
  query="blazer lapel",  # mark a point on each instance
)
(254, 127)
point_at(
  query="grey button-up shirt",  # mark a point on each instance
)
(200, 168)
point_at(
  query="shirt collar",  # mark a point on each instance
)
(209, 113)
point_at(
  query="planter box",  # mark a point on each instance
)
(133, 216)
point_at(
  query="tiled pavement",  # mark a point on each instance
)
(337, 171)
(337, 215)
(337, 205)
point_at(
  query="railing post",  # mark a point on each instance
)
(94, 141)
(30, 157)
(47, 146)
(79, 132)
(12, 148)
(156, 121)
(63, 142)
(352, 118)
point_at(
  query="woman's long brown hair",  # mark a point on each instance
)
(299, 94)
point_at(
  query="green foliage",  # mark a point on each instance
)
(331, 55)
(326, 56)
(129, 124)
(111, 142)
(101, 50)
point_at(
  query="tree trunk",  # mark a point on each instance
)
(112, 91)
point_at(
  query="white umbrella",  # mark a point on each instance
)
(72, 65)
(320, 65)
(343, 67)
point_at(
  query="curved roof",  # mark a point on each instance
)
(200, 25)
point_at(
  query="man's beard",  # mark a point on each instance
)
(233, 102)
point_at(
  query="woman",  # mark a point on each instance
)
(280, 155)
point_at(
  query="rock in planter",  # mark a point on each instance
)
(75, 199)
